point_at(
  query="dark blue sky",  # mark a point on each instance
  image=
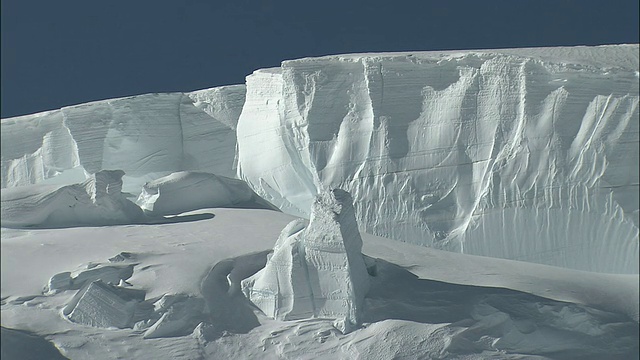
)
(58, 53)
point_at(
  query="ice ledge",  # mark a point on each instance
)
(615, 55)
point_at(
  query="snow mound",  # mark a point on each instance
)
(316, 270)
(185, 191)
(147, 136)
(106, 300)
(525, 154)
(97, 201)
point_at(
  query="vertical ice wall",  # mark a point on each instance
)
(528, 155)
(147, 136)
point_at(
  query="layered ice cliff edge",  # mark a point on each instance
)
(527, 154)
(147, 136)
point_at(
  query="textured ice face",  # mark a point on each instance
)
(527, 154)
(316, 270)
(95, 202)
(185, 191)
(147, 136)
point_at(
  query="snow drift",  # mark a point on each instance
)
(528, 154)
(94, 202)
(147, 136)
(421, 303)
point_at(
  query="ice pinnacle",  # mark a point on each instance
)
(317, 268)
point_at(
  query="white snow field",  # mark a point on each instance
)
(149, 227)
(422, 303)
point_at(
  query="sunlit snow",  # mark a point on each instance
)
(304, 214)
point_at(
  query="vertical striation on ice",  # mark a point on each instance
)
(96, 201)
(316, 269)
(526, 154)
(99, 305)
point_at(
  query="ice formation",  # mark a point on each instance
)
(99, 305)
(184, 191)
(94, 202)
(316, 270)
(527, 154)
(147, 136)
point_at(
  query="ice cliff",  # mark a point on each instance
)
(147, 136)
(527, 154)
(316, 270)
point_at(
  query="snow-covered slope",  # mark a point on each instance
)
(147, 136)
(528, 154)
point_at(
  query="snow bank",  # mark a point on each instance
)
(147, 136)
(316, 270)
(528, 154)
(95, 202)
(186, 191)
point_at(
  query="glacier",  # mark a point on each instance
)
(528, 154)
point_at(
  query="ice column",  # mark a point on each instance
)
(317, 269)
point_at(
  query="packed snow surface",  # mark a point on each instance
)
(316, 269)
(527, 154)
(171, 291)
